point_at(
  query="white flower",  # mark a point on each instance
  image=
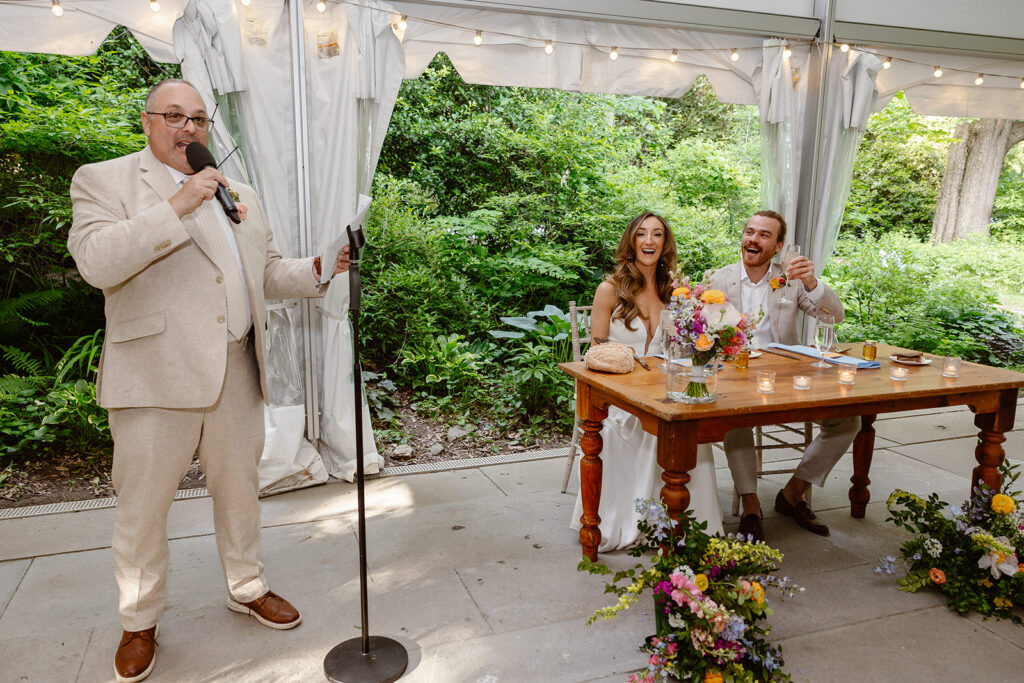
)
(933, 547)
(999, 562)
(718, 316)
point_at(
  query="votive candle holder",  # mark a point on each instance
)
(802, 382)
(950, 366)
(848, 375)
(766, 381)
(898, 373)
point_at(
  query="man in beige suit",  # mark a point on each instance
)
(750, 282)
(182, 369)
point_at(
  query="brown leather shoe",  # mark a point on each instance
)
(270, 609)
(801, 513)
(750, 525)
(136, 655)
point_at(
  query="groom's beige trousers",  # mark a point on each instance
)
(153, 448)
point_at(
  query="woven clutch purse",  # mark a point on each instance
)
(615, 358)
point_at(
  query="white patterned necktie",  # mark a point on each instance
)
(222, 256)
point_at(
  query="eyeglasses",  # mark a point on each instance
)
(178, 120)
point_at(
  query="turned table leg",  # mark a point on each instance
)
(863, 448)
(590, 469)
(677, 455)
(989, 452)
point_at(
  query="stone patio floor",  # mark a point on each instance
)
(474, 571)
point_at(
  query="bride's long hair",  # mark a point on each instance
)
(627, 278)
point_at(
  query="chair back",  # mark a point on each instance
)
(579, 326)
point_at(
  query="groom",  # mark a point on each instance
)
(757, 284)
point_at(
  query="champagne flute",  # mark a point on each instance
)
(824, 336)
(788, 254)
(667, 327)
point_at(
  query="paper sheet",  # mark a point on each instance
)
(330, 254)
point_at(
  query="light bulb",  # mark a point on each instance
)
(787, 52)
(548, 47)
(845, 47)
(888, 63)
(938, 72)
(55, 7)
(154, 6)
(979, 80)
(403, 23)
(734, 55)
(614, 54)
(321, 6)
(478, 39)
(674, 57)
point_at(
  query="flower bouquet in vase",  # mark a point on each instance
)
(704, 326)
(709, 601)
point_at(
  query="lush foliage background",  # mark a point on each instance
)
(490, 203)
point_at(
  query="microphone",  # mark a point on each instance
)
(199, 157)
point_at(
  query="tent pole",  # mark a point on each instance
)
(310, 352)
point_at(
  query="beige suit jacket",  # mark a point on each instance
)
(783, 316)
(166, 338)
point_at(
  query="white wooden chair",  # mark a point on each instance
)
(579, 330)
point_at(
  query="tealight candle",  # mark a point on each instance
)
(802, 382)
(950, 367)
(766, 381)
(848, 375)
(899, 373)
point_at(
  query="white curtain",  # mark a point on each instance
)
(354, 68)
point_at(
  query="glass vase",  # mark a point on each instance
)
(694, 382)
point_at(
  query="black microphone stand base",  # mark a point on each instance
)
(385, 662)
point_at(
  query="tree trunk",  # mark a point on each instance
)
(969, 185)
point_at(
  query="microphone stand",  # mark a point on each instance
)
(367, 659)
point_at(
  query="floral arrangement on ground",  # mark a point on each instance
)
(709, 600)
(972, 553)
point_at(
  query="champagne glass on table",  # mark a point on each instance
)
(666, 328)
(788, 254)
(824, 337)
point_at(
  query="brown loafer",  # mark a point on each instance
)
(801, 513)
(270, 609)
(750, 525)
(136, 655)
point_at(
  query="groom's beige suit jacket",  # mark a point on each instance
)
(166, 311)
(783, 315)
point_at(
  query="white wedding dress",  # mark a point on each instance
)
(630, 467)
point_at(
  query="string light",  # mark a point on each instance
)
(888, 63)
(321, 6)
(403, 23)
(734, 55)
(787, 51)
(246, 3)
(1022, 84)
(55, 7)
(938, 72)
(845, 47)
(548, 48)
(154, 6)
(478, 39)
(674, 57)
(979, 80)
(614, 54)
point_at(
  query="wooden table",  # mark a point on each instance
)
(991, 393)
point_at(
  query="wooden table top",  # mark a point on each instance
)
(645, 390)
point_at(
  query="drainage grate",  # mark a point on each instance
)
(439, 466)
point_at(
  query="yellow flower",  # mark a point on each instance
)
(757, 592)
(701, 582)
(1003, 603)
(1002, 504)
(683, 292)
(703, 343)
(985, 582)
(713, 296)
(713, 677)
(774, 282)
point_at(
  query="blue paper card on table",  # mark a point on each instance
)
(838, 360)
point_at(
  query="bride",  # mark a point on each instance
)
(627, 310)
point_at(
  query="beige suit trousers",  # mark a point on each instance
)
(153, 448)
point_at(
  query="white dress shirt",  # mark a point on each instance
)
(756, 297)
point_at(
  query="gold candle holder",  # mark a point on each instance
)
(870, 350)
(743, 360)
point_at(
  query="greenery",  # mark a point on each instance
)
(972, 553)
(709, 597)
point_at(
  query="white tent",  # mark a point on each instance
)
(307, 96)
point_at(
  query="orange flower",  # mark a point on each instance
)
(1020, 568)
(683, 292)
(713, 677)
(774, 282)
(1002, 504)
(713, 296)
(703, 343)
(937, 576)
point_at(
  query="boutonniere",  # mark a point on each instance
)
(777, 282)
(234, 195)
